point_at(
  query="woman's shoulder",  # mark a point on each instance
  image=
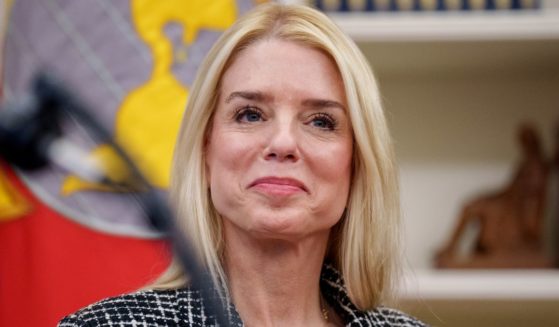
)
(144, 308)
(384, 316)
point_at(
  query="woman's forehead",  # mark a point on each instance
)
(275, 64)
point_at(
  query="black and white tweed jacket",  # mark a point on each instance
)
(184, 307)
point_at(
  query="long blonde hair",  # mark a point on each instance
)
(364, 245)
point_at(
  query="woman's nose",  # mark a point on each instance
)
(282, 144)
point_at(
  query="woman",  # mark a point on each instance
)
(284, 178)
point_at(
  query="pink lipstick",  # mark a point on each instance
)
(278, 185)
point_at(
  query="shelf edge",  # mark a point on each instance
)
(450, 26)
(486, 284)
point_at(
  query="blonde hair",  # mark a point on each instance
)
(364, 245)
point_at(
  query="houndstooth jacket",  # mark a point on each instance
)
(184, 307)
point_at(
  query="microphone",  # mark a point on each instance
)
(27, 127)
(31, 136)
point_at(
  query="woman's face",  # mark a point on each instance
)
(279, 154)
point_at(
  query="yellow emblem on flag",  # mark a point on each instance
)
(12, 203)
(148, 119)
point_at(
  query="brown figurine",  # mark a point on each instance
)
(510, 220)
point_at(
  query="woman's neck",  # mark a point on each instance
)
(273, 282)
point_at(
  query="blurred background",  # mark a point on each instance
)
(458, 78)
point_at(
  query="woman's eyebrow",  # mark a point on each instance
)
(322, 103)
(247, 95)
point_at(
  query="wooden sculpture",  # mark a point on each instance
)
(510, 220)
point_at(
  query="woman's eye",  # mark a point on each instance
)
(323, 121)
(248, 114)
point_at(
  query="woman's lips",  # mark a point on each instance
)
(278, 185)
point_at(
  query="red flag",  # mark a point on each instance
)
(51, 266)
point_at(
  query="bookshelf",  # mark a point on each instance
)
(455, 86)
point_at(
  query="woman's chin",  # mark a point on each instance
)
(288, 229)
(278, 228)
(283, 224)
